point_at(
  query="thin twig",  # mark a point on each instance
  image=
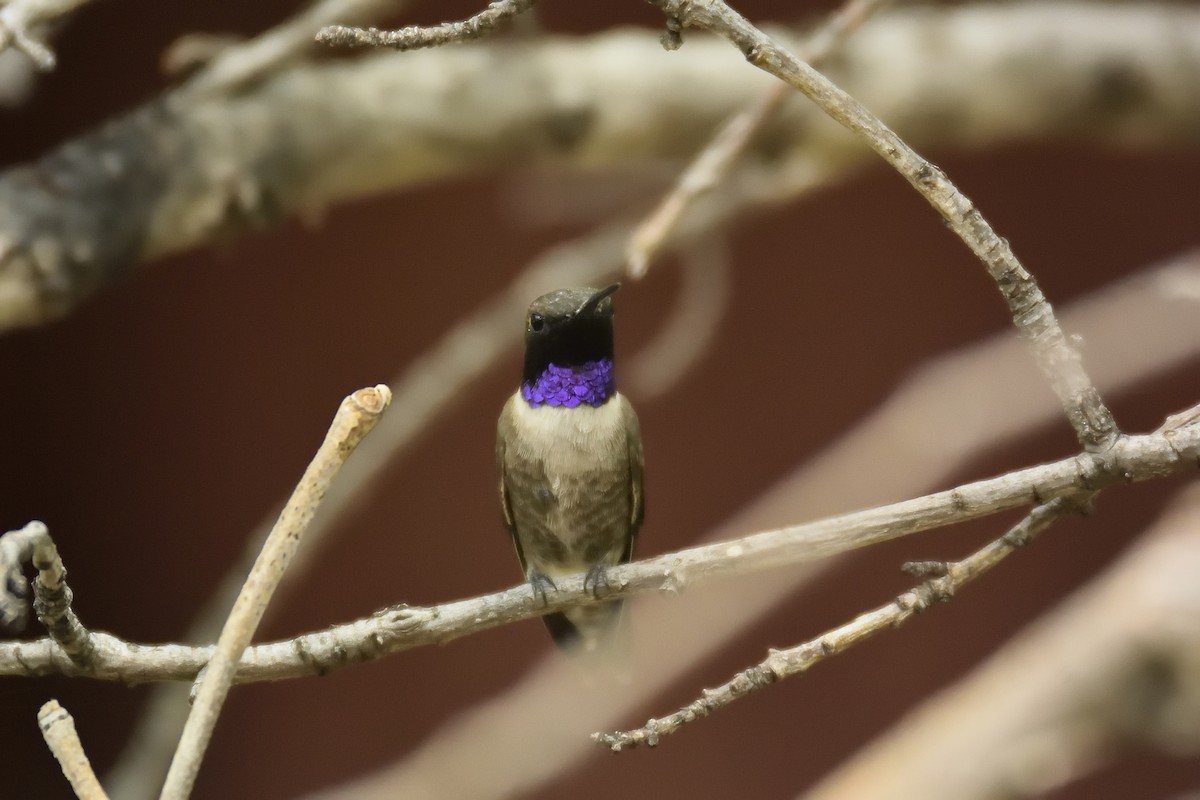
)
(58, 729)
(51, 595)
(18, 18)
(948, 578)
(1110, 668)
(1131, 459)
(415, 37)
(1059, 361)
(355, 418)
(714, 162)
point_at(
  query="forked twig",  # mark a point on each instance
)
(51, 595)
(1059, 361)
(947, 578)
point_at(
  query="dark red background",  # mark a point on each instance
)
(156, 426)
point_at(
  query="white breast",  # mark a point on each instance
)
(554, 433)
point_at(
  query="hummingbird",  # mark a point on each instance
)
(569, 452)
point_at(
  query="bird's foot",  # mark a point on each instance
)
(596, 581)
(541, 586)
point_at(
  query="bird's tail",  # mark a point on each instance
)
(596, 635)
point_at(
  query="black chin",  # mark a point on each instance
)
(571, 343)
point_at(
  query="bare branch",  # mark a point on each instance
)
(708, 169)
(416, 38)
(948, 579)
(1131, 459)
(1060, 362)
(51, 595)
(18, 19)
(1112, 665)
(58, 729)
(355, 418)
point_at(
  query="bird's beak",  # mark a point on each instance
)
(595, 299)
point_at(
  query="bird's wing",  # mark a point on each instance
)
(637, 505)
(503, 432)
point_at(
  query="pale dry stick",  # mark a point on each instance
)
(51, 595)
(1131, 459)
(355, 418)
(58, 729)
(530, 733)
(422, 391)
(949, 578)
(1111, 666)
(713, 164)
(1059, 361)
(416, 37)
(235, 66)
(19, 17)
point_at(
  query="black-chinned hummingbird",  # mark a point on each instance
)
(570, 457)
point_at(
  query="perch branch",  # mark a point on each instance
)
(58, 729)
(1112, 665)
(713, 164)
(1130, 459)
(1060, 362)
(1139, 328)
(82, 216)
(51, 595)
(948, 578)
(355, 418)
(416, 37)
(18, 19)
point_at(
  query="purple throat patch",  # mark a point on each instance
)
(569, 387)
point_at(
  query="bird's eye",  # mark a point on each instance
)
(536, 323)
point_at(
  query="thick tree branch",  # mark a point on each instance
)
(192, 168)
(355, 418)
(1130, 459)
(1059, 361)
(948, 578)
